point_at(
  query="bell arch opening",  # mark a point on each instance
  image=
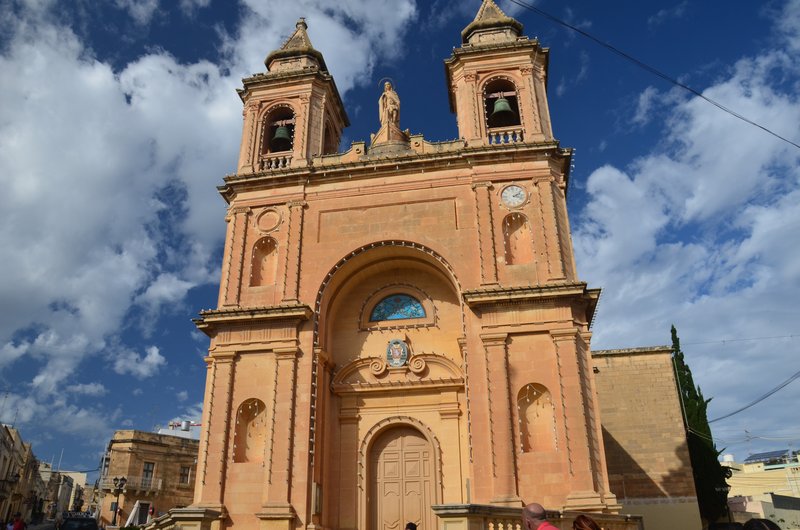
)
(501, 104)
(279, 128)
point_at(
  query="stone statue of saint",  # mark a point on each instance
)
(389, 106)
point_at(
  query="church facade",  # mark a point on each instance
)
(401, 335)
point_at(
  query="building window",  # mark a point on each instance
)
(185, 473)
(147, 474)
(397, 307)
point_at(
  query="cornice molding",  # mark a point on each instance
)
(212, 319)
(503, 295)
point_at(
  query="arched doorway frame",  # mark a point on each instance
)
(337, 268)
(364, 470)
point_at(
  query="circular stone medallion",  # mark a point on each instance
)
(268, 220)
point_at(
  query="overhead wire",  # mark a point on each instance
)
(760, 398)
(650, 69)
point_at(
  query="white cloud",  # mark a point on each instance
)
(700, 233)
(127, 423)
(130, 362)
(662, 15)
(183, 395)
(141, 11)
(88, 389)
(189, 7)
(93, 165)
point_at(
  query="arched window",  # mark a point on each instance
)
(250, 436)
(536, 418)
(500, 101)
(397, 307)
(264, 264)
(517, 239)
(278, 131)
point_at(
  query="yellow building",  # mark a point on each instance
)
(159, 472)
(401, 334)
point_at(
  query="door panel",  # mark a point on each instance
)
(400, 461)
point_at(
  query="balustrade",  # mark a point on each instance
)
(505, 135)
(276, 161)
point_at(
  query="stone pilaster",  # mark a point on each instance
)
(488, 256)
(294, 244)
(501, 427)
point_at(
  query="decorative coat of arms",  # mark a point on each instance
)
(396, 353)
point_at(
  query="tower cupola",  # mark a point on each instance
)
(293, 111)
(498, 82)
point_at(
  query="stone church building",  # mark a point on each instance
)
(401, 335)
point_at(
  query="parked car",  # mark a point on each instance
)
(79, 523)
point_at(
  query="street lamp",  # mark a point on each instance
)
(119, 485)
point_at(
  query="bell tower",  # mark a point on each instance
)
(497, 82)
(293, 111)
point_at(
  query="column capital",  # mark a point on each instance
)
(494, 339)
(564, 334)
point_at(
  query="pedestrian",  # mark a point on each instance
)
(19, 524)
(534, 517)
(10, 525)
(584, 522)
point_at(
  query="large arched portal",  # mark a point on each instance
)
(402, 480)
(390, 334)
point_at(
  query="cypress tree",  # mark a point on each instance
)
(709, 474)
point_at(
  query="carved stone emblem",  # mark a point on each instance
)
(396, 353)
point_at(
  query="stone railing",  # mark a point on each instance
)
(487, 517)
(505, 135)
(276, 161)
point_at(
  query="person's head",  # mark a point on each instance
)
(411, 526)
(584, 522)
(760, 524)
(533, 515)
(17, 516)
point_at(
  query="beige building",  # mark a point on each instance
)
(645, 442)
(766, 485)
(159, 471)
(401, 334)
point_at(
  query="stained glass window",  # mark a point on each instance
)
(397, 307)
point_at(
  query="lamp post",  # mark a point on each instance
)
(119, 485)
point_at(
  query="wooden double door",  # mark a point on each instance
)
(402, 481)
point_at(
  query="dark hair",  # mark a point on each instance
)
(411, 526)
(760, 524)
(584, 522)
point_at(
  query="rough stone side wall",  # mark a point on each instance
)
(643, 431)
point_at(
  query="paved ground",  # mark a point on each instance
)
(42, 526)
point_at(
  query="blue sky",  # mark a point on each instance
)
(119, 118)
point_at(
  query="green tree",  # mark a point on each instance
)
(709, 474)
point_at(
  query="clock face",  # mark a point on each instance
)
(513, 196)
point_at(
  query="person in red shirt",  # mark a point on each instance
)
(19, 524)
(534, 517)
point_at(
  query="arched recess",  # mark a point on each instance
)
(330, 139)
(501, 103)
(365, 472)
(335, 300)
(250, 436)
(278, 129)
(375, 253)
(517, 239)
(536, 418)
(264, 262)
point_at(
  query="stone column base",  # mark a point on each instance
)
(585, 501)
(276, 517)
(191, 518)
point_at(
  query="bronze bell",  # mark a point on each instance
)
(501, 107)
(282, 140)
